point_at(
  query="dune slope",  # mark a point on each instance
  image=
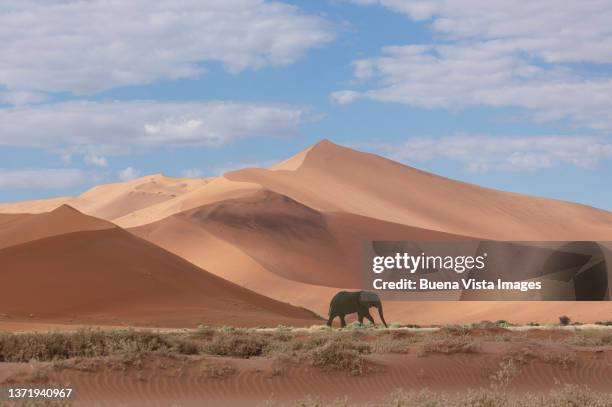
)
(330, 177)
(110, 276)
(21, 228)
(276, 246)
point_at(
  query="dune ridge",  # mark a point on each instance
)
(335, 178)
(22, 228)
(111, 201)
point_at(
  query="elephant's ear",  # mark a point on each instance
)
(368, 296)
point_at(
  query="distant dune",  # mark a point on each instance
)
(111, 201)
(216, 190)
(277, 246)
(108, 276)
(294, 232)
(329, 177)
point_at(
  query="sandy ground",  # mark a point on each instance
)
(166, 381)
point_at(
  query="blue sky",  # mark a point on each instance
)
(514, 97)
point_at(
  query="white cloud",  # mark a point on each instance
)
(41, 178)
(505, 153)
(128, 174)
(491, 54)
(18, 98)
(568, 32)
(344, 97)
(89, 46)
(115, 127)
(95, 160)
(192, 173)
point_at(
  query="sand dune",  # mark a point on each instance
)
(287, 251)
(217, 189)
(329, 177)
(277, 246)
(293, 232)
(21, 228)
(109, 276)
(111, 201)
(230, 262)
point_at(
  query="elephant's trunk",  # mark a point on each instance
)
(380, 312)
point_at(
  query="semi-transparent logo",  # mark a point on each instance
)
(488, 270)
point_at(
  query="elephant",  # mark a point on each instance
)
(346, 302)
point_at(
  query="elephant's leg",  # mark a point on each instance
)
(368, 316)
(360, 316)
(330, 321)
(342, 321)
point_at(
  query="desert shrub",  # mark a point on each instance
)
(392, 346)
(564, 360)
(308, 343)
(604, 323)
(87, 343)
(278, 335)
(508, 369)
(450, 345)
(341, 353)
(568, 396)
(355, 325)
(484, 325)
(283, 328)
(203, 332)
(564, 320)
(395, 342)
(500, 323)
(218, 369)
(333, 351)
(522, 356)
(455, 329)
(590, 338)
(236, 344)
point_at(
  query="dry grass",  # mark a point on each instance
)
(215, 369)
(590, 338)
(388, 345)
(449, 345)
(568, 396)
(343, 350)
(88, 343)
(341, 353)
(236, 344)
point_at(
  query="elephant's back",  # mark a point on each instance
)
(339, 295)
